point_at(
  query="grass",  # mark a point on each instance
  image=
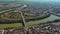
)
(2, 26)
(30, 23)
(10, 25)
(19, 24)
(51, 18)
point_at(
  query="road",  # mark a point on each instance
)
(54, 13)
(15, 8)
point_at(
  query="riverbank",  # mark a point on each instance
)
(30, 23)
(48, 27)
(4, 20)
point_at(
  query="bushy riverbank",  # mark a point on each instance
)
(30, 23)
(4, 20)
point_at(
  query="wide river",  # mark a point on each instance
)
(51, 18)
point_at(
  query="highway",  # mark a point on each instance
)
(19, 8)
(15, 8)
(54, 13)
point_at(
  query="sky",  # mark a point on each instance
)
(45, 0)
(34, 0)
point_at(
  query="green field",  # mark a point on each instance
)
(10, 25)
(19, 24)
(51, 18)
(2, 26)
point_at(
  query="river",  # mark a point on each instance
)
(51, 18)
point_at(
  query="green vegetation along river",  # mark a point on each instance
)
(51, 18)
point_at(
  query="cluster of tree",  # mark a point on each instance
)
(2, 21)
